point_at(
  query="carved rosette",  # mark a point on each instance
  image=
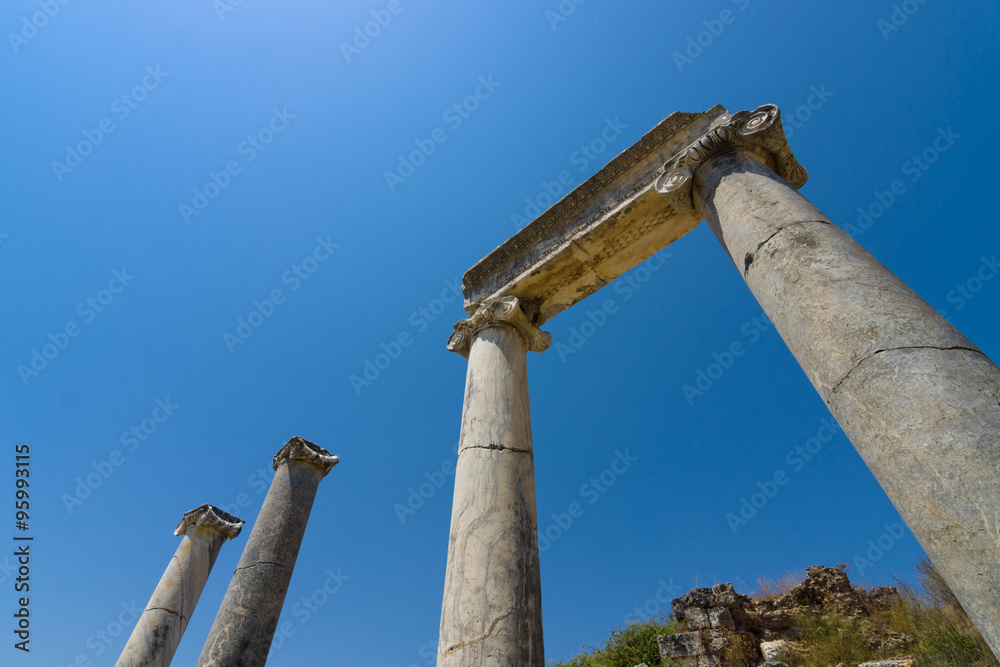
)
(300, 449)
(757, 132)
(504, 310)
(209, 516)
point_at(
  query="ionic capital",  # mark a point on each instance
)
(503, 311)
(209, 516)
(300, 449)
(758, 133)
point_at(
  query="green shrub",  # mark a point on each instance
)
(629, 646)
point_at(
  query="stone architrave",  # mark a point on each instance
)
(492, 610)
(244, 627)
(920, 403)
(161, 626)
(918, 400)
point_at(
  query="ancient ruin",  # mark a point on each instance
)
(245, 625)
(726, 626)
(918, 400)
(161, 626)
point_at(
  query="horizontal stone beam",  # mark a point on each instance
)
(604, 227)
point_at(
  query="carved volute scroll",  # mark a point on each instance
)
(758, 133)
(503, 311)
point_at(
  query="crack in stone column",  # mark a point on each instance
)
(751, 256)
(896, 349)
(478, 640)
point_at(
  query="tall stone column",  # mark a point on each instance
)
(920, 403)
(161, 626)
(244, 627)
(492, 611)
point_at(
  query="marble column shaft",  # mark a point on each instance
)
(159, 630)
(492, 611)
(918, 400)
(244, 627)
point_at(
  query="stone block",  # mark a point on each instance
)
(698, 597)
(773, 650)
(720, 619)
(725, 595)
(698, 619)
(683, 645)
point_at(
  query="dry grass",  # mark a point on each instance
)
(942, 634)
(768, 589)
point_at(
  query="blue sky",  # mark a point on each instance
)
(248, 160)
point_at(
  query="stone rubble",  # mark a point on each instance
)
(725, 626)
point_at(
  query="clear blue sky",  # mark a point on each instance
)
(286, 136)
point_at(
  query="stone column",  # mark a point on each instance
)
(161, 626)
(244, 627)
(920, 403)
(492, 611)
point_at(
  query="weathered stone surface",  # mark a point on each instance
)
(772, 650)
(700, 598)
(720, 619)
(244, 627)
(602, 228)
(697, 619)
(918, 400)
(833, 303)
(492, 610)
(925, 421)
(684, 644)
(725, 595)
(159, 630)
(895, 662)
